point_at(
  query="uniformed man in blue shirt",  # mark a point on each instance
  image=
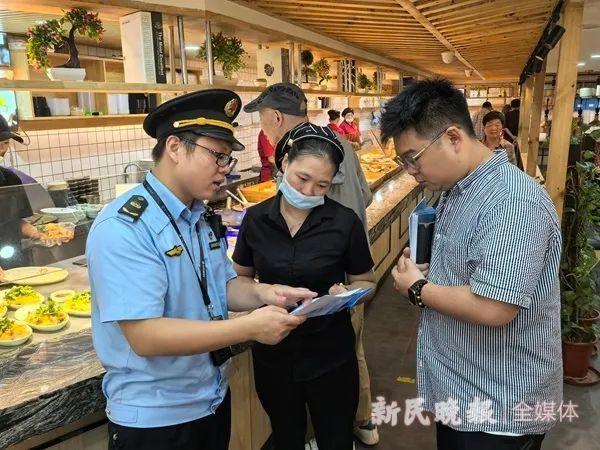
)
(162, 285)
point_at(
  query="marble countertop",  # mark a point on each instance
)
(56, 378)
(389, 194)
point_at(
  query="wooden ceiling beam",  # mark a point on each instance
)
(539, 20)
(408, 6)
(488, 12)
(348, 22)
(341, 19)
(450, 6)
(495, 21)
(367, 6)
(492, 46)
(375, 33)
(460, 35)
(250, 13)
(360, 24)
(334, 9)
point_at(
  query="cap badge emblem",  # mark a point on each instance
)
(231, 107)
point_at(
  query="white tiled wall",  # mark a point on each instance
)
(105, 151)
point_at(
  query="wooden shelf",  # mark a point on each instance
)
(488, 98)
(81, 57)
(61, 122)
(102, 87)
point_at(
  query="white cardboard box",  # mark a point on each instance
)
(142, 39)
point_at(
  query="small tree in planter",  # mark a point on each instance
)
(307, 58)
(226, 50)
(363, 82)
(50, 35)
(322, 69)
(579, 299)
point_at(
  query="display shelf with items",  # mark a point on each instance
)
(98, 70)
(376, 160)
(105, 87)
(59, 123)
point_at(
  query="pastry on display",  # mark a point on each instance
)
(376, 165)
(18, 296)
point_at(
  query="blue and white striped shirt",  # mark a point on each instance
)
(496, 231)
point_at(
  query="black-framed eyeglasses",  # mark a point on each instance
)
(223, 159)
(412, 160)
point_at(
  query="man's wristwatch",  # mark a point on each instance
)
(414, 293)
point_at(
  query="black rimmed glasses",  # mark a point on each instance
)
(223, 159)
(411, 161)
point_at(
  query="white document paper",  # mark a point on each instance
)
(329, 304)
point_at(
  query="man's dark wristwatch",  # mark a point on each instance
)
(414, 293)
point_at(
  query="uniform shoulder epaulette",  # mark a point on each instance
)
(134, 207)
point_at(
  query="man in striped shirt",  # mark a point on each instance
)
(489, 361)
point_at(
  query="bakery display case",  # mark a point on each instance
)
(377, 159)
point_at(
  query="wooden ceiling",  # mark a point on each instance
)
(493, 38)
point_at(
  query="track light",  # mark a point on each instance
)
(542, 51)
(554, 36)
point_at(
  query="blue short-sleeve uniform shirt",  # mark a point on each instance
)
(137, 271)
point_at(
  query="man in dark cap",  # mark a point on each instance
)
(283, 108)
(162, 285)
(15, 206)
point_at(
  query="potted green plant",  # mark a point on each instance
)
(229, 53)
(362, 82)
(52, 35)
(322, 69)
(307, 58)
(579, 299)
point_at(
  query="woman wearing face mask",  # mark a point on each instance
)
(302, 238)
(349, 127)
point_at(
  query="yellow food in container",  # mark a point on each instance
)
(18, 296)
(259, 192)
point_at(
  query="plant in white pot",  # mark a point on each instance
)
(229, 53)
(51, 35)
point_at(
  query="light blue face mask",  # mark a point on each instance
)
(298, 199)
